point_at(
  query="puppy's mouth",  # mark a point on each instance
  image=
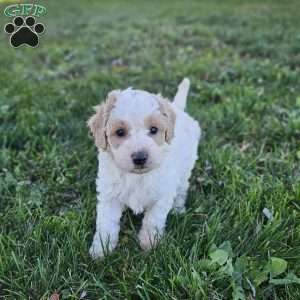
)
(141, 170)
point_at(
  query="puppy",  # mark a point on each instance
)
(147, 149)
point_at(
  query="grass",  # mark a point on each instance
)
(240, 237)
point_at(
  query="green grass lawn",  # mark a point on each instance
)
(240, 236)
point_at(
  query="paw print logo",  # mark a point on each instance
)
(24, 32)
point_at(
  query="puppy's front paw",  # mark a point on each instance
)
(179, 210)
(96, 250)
(101, 247)
(149, 238)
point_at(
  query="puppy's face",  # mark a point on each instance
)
(135, 127)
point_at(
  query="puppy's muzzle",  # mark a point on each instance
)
(139, 158)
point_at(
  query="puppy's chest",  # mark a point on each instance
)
(138, 193)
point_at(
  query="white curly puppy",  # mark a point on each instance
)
(147, 150)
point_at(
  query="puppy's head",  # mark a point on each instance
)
(135, 127)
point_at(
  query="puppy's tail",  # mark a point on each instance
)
(182, 92)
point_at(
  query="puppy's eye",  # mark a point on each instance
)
(120, 132)
(153, 130)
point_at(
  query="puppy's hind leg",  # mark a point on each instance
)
(180, 199)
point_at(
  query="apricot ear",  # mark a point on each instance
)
(97, 122)
(168, 112)
(97, 126)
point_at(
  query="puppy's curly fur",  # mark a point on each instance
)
(147, 150)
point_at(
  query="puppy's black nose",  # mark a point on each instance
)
(139, 158)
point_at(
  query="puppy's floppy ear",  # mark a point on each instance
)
(167, 110)
(97, 122)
